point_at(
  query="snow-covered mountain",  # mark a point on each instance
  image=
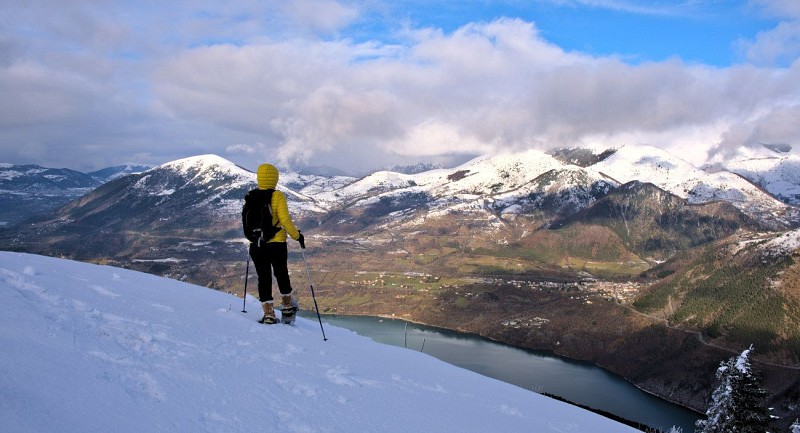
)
(42, 180)
(214, 182)
(203, 194)
(626, 207)
(192, 198)
(27, 190)
(669, 172)
(96, 349)
(110, 173)
(771, 168)
(523, 182)
(500, 184)
(222, 184)
(560, 183)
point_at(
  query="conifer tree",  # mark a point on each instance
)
(795, 428)
(737, 403)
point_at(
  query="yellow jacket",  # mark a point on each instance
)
(268, 179)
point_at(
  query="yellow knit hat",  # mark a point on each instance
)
(267, 176)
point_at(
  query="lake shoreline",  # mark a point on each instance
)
(537, 352)
(546, 351)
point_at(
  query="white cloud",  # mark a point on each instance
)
(779, 8)
(780, 45)
(434, 138)
(642, 7)
(484, 87)
(253, 79)
(321, 15)
(247, 149)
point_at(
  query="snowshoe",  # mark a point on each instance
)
(268, 320)
(288, 314)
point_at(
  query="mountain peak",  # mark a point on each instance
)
(201, 162)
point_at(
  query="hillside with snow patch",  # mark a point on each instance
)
(670, 173)
(96, 349)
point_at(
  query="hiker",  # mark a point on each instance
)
(267, 238)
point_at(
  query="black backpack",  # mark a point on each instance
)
(257, 216)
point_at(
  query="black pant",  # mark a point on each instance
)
(271, 256)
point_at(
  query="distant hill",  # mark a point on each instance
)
(30, 190)
(656, 224)
(739, 290)
(27, 190)
(108, 174)
(184, 199)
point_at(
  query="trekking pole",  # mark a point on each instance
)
(313, 296)
(246, 277)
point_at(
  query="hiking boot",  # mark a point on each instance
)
(288, 309)
(288, 304)
(269, 313)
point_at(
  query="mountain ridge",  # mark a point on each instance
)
(493, 221)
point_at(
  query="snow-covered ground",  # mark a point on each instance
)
(89, 348)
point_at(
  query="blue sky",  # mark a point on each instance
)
(696, 31)
(365, 84)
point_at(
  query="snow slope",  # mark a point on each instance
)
(96, 349)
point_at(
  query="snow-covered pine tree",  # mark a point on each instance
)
(795, 428)
(737, 403)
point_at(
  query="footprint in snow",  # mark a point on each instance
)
(104, 291)
(165, 308)
(297, 388)
(340, 376)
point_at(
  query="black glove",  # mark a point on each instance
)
(302, 240)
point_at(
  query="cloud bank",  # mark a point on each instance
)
(260, 80)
